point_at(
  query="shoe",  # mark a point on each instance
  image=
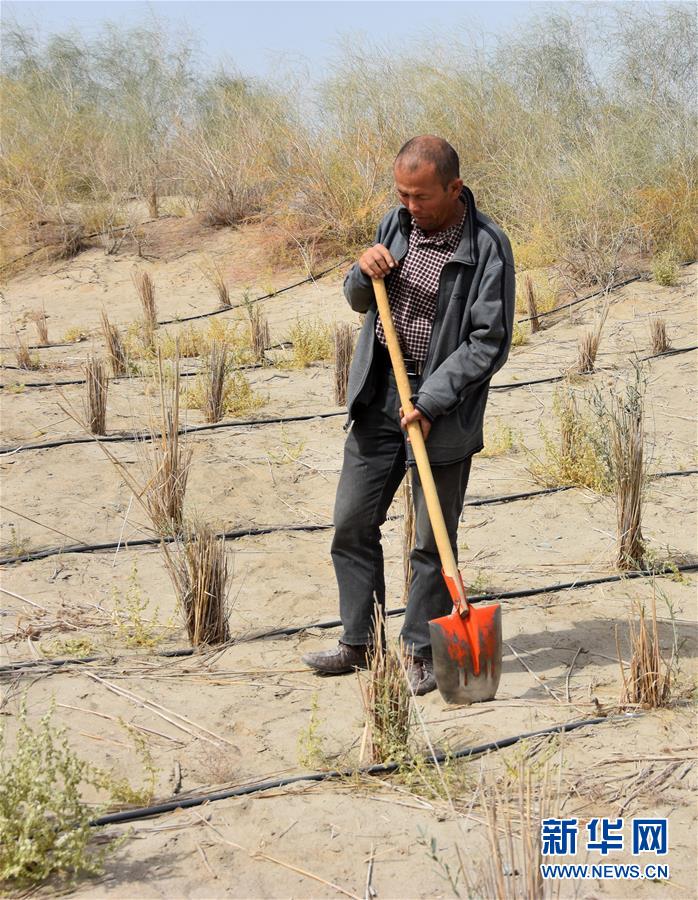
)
(344, 658)
(420, 673)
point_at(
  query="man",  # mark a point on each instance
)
(449, 274)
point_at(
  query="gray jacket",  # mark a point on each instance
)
(470, 338)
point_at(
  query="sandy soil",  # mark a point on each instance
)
(250, 703)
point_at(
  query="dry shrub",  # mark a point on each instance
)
(343, 349)
(260, 337)
(213, 272)
(409, 534)
(24, 358)
(627, 442)
(658, 336)
(531, 304)
(515, 810)
(115, 347)
(667, 215)
(64, 239)
(38, 317)
(386, 697)
(97, 387)
(589, 344)
(199, 572)
(146, 293)
(648, 683)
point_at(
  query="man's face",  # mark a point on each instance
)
(420, 190)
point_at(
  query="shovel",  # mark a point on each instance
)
(467, 644)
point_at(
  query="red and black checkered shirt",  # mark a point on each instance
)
(413, 287)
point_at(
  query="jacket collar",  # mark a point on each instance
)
(466, 251)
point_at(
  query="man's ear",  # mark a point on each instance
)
(456, 186)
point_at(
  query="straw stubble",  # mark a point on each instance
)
(97, 387)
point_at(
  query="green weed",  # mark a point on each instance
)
(44, 823)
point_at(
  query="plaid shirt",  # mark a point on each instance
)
(414, 286)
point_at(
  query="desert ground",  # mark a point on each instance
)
(253, 711)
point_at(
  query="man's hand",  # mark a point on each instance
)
(377, 262)
(415, 416)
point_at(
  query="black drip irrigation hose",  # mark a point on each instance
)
(146, 436)
(132, 815)
(271, 529)
(292, 630)
(612, 287)
(225, 309)
(216, 312)
(44, 384)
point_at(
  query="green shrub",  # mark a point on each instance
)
(665, 268)
(44, 823)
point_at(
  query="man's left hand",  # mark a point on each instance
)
(415, 416)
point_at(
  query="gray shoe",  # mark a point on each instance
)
(344, 658)
(420, 673)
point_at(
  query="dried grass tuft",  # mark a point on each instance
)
(214, 379)
(213, 272)
(589, 344)
(515, 810)
(627, 442)
(115, 347)
(648, 683)
(97, 388)
(386, 699)
(260, 337)
(146, 293)
(198, 569)
(343, 350)
(24, 358)
(532, 304)
(166, 460)
(658, 335)
(39, 319)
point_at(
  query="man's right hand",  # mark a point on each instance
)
(377, 262)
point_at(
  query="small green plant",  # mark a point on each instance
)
(119, 788)
(499, 440)
(59, 648)
(44, 823)
(582, 453)
(520, 335)
(312, 341)
(288, 452)
(450, 874)
(133, 626)
(237, 396)
(311, 754)
(665, 268)
(74, 335)
(17, 545)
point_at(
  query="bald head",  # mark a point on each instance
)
(428, 149)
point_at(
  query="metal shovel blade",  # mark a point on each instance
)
(467, 654)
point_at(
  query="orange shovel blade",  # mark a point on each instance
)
(467, 653)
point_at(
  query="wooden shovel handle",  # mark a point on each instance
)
(414, 430)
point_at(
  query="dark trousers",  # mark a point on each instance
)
(374, 465)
